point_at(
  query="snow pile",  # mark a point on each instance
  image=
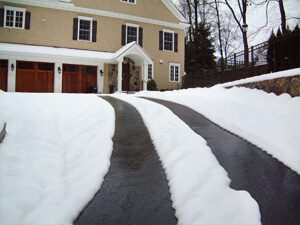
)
(271, 122)
(54, 157)
(270, 76)
(199, 185)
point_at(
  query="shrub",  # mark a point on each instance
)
(151, 85)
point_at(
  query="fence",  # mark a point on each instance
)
(234, 67)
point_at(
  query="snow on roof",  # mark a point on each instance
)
(270, 76)
(20, 49)
(53, 51)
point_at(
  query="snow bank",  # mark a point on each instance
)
(271, 122)
(199, 185)
(54, 156)
(270, 76)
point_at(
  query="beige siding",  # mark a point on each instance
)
(153, 9)
(51, 27)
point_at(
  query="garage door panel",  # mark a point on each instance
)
(34, 77)
(3, 74)
(78, 78)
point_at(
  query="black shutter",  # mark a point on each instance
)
(27, 20)
(75, 28)
(94, 34)
(141, 36)
(175, 42)
(123, 41)
(1, 17)
(161, 36)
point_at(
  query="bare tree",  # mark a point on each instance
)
(242, 24)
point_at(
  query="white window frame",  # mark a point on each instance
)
(173, 45)
(127, 1)
(91, 33)
(174, 64)
(152, 75)
(137, 31)
(15, 9)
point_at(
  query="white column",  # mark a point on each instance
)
(145, 76)
(11, 78)
(58, 77)
(120, 75)
(100, 78)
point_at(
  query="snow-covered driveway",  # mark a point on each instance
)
(54, 156)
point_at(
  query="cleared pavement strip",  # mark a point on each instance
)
(274, 186)
(135, 190)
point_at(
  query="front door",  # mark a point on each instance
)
(126, 77)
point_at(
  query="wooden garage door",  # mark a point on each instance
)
(3, 74)
(78, 78)
(34, 77)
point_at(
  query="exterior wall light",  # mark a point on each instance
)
(12, 67)
(101, 73)
(59, 70)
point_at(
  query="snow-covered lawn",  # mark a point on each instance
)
(271, 122)
(54, 156)
(199, 185)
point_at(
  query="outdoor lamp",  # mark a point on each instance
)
(12, 67)
(101, 73)
(245, 28)
(59, 70)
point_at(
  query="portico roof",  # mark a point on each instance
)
(131, 50)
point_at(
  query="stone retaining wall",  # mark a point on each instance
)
(290, 85)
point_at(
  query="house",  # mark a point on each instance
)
(76, 46)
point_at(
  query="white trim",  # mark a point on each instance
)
(15, 9)
(72, 8)
(174, 64)
(173, 44)
(91, 27)
(137, 32)
(127, 1)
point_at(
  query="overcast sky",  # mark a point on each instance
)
(257, 19)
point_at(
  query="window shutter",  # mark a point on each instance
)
(161, 36)
(94, 34)
(175, 42)
(123, 41)
(27, 20)
(75, 28)
(141, 36)
(1, 17)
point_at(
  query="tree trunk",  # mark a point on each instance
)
(196, 3)
(190, 19)
(246, 49)
(220, 35)
(283, 17)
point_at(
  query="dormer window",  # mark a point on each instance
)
(14, 17)
(129, 1)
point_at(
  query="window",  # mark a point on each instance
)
(85, 28)
(132, 33)
(14, 17)
(129, 1)
(150, 72)
(174, 72)
(168, 40)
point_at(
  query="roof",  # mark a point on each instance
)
(176, 12)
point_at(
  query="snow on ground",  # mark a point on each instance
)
(54, 156)
(199, 185)
(271, 122)
(270, 76)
